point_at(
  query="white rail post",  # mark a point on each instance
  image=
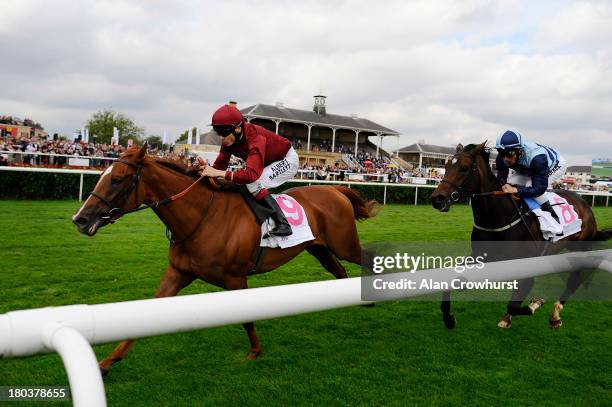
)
(416, 195)
(593, 200)
(385, 195)
(81, 188)
(86, 385)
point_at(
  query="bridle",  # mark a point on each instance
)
(459, 194)
(116, 211)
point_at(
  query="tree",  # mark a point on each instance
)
(183, 136)
(101, 126)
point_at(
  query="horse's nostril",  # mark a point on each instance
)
(437, 201)
(81, 221)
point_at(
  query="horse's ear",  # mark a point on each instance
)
(459, 147)
(481, 146)
(143, 151)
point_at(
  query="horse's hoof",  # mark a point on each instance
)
(449, 321)
(506, 322)
(535, 304)
(254, 354)
(555, 323)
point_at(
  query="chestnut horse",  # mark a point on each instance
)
(216, 237)
(496, 218)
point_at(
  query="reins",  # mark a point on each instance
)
(115, 211)
(204, 213)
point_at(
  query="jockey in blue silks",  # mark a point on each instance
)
(534, 168)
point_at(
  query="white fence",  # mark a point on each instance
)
(384, 186)
(71, 330)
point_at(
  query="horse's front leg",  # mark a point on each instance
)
(172, 282)
(239, 283)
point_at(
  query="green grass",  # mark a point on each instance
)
(396, 353)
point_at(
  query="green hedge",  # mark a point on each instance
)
(36, 185)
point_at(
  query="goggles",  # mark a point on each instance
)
(507, 153)
(223, 130)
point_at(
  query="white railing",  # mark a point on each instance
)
(71, 330)
(383, 185)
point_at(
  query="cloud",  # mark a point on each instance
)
(444, 71)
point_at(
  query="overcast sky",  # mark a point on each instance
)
(439, 71)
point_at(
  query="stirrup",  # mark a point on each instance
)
(276, 232)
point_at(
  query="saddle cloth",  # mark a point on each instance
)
(569, 222)
(296, 216)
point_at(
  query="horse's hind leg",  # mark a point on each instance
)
(172, 282)
(239, 283)
(573, 282)
(445, 307)
(514, 305)
(328, 260)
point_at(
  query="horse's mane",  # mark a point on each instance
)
(178, 166)
(485, 153)
(174, 165)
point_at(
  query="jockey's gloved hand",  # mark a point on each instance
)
(201, 162)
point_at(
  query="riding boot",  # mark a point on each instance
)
(282, 227)
(546, 206)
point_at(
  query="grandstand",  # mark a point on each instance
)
(323, 139)
(423, 155)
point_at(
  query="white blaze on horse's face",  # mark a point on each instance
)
(454, 161)
(104, 175)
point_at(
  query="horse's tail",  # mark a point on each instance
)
(363, 209)
(602, 235)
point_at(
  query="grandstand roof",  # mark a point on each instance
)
(579, 168)
(307, 116)
(427, 148)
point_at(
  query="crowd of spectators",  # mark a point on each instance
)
(57, 153)
(367, 160)
(53, 152)
(339, 172)
(36, 151)
(324, 146)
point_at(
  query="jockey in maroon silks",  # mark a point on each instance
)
(270, 160)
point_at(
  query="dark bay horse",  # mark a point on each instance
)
(496, 218)
(215, 235)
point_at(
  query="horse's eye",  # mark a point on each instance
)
(464, 169)
(116, 180)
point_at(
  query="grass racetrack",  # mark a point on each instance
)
(397, 353)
